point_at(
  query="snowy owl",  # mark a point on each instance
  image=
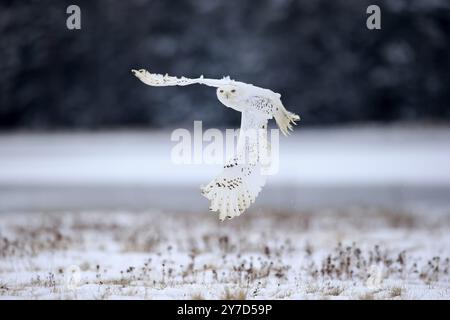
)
(243, 176)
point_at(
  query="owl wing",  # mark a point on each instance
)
(159, 80)
(242, 178)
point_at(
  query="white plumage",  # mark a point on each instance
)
(242, 178)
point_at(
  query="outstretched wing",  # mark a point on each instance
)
(242, 178)
(159, 80)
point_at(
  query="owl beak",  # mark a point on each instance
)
(227, 95)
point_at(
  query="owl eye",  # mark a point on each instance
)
(233, 90)
(221, 91)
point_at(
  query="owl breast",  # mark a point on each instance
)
(235, 104)
(260, 105)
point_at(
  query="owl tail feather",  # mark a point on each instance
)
(228, 203)
(285, 119)
(232, 202)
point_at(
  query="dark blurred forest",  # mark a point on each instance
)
(318, 54)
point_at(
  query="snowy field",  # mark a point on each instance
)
(358, 253)
(354, 213)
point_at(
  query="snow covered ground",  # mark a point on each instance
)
(343, 156)
(389, 166)
(358, 253)
(360, 213)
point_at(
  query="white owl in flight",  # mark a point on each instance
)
(243, 176)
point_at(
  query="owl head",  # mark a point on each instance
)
(228, 94)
